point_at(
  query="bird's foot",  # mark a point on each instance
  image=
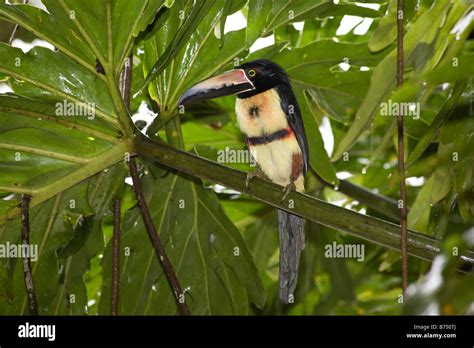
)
(286, 191)
(251, 175)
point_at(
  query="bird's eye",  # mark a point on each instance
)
(252, 73)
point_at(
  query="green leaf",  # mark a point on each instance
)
(316, 67)
(225, 12)
(200, 58)
(199, 10)
(419, 38)
(386, 31)
(148, 15)
(201, 243)
(69, 39)
(107, 35)
(62, 78)
(57, 278)
(419, 214)
(259, 11)
(43, 153)
(318, 157)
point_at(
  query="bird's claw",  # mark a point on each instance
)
(286, 191)
(250, 176)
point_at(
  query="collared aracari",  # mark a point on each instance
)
(269, 116)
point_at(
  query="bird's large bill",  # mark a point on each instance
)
(232, 82)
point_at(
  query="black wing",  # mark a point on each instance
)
(290, 106)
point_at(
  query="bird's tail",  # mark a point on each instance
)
(291, 231)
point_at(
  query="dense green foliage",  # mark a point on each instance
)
(224, 245)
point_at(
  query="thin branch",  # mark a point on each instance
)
(401, 154)
(25, 240)
(125, 84)
(15, 29)
(359, 225)
(381, 204)
(115, 259)
(160, 251)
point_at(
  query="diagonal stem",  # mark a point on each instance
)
(401, 154)
(25, 240)
(155, 239)
(15, 29)
(125, 84)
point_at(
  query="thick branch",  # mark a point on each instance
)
(401, 153)
(160, 251)
(366, 227)
(115, 259)
(25, 240)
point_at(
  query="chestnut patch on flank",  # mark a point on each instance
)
(296, 166)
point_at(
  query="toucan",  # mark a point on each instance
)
(270, 118)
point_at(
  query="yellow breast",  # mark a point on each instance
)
(260, 114)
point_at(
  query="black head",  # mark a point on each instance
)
(244, 81)
(264, 75)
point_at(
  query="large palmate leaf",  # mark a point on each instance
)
(43, 153)
(70, 127)
(58, 130)
(210, 258)
(106, 35)
(67, 234)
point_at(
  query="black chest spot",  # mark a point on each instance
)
(253, 111)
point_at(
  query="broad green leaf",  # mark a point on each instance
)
(69, 40)
(107, 35)
(62, 78)
(386, 32)
(201, 58)
(56, 279)
(43, 153)
(440, 118)
(201, 243)
(199, 10)
(315, 67)
(148, 15)
(259, 11)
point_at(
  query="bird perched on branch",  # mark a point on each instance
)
(269, 116)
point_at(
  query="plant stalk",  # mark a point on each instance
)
(155, 239)
(25, 241)
(401, 154)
